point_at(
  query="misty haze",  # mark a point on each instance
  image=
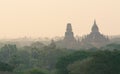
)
(59, 37)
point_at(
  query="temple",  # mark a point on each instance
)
(95, 38)
(69, 40)
(69, 35)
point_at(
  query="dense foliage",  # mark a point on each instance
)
(30, 57)
(64, 61)
(103, 62)
(6, 67)
(40, 59)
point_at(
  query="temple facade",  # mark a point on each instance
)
(69, 35)
(69, 40)
(95, 38)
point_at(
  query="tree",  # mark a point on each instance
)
(37, 71)
(64, 61)
(6, 67)
(102, 62)
(112, 47)
(7, 51)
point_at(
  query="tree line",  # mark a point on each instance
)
(41, 59)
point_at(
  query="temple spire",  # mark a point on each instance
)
(94, 21)
(69, 34)
(69, 27)
(95, 27)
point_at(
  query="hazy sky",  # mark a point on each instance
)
(48, 18)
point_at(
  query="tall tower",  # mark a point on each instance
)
(69, 35)
(69, 40)
(95, 28)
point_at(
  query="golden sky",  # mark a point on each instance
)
(48, 18)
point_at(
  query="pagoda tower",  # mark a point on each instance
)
(69, 35)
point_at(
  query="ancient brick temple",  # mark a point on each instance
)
(94, 39)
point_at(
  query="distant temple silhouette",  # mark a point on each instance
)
(69, 40)
(94, 39)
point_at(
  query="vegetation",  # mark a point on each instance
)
(36, 71)
(40, 59)
(31, 57)
(103, 62)
(64, 61)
